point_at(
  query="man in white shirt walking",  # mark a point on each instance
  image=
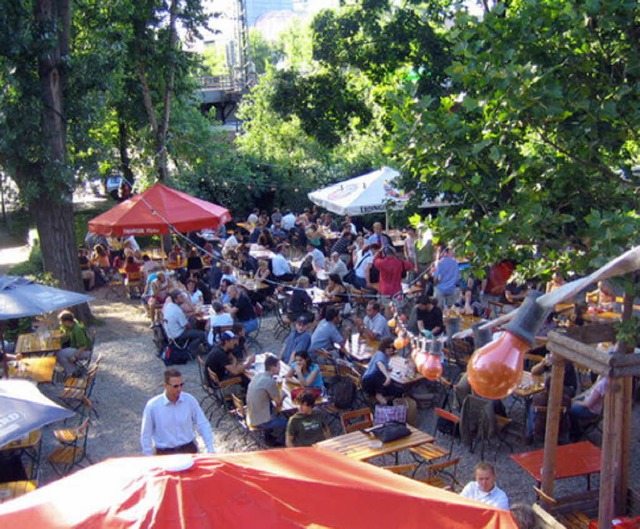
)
(170, 420)
(484, 488)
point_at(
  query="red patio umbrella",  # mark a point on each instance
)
(288, 488)
(152, 212)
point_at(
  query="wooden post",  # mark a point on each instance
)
(611, 443)
(622, 479)
(554, 405)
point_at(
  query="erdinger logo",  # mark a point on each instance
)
(392, 192)
(342, 191)
(10, 421)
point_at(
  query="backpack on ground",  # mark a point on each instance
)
(174, 355)
(344, 392)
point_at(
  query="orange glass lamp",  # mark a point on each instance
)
(398, 343)
(495, 369)
(392, 323)
(432, 368)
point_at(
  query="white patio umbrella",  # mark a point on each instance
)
(368, 193)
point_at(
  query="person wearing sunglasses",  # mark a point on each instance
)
(170, 421)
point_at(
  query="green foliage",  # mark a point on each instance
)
(541, 112)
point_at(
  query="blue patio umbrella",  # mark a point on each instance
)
(20, 297)
(24, 409)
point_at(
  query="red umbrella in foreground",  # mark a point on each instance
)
(151, 212)
(292, 488)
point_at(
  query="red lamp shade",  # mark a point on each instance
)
(419, 359)
(432, 368)
(495, 369)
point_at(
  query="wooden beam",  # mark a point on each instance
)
(591, 333)
(611, 443)
(553, 425)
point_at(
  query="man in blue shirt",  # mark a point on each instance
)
(298, 340)
(447, 275)
(327, 334)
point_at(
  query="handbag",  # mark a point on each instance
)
(391, 431)
(385, 414)
(349, 277)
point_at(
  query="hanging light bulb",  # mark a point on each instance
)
(496, 368)
(419, 357)
(398, 343)
(431, 369)
(392, 323)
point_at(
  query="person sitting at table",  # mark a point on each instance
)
(177, 325)
(300, 302)
(317, 257)
(306, 373)
(224, 363)
(335, 265)
(484, 488)
(603, 297)
(177, 256)
(587, 407)
(379, 238)
(148, 266)
(557, 280)
(374, 326)
(570, 379)
(277, 232)
(280, 266)
(391, 269)
(77, 343)
(207, 254)
(376, 380)
(426, 316)
(246, 262)
(87, 274)
(232, 242)
(314, 237)
(242, 309)
(537, 421)
(219, 318)
(240, 351)
(195, 295)
(194, 261)
(341, 246)
(327, 336)
(100, 257)
(262, 395)
(132, 277)
(266, 239)
(336, 291)
(308, 426)
(299, 339)
(156, 292)
(223, 292)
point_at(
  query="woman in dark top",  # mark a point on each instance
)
(300, 302)
(194, 262)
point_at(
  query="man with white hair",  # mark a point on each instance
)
(336, 265)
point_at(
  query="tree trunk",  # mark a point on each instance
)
(53, 208)
(125, 159)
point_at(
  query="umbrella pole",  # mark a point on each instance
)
(162, 249)
(3, 353)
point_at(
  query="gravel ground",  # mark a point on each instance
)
(131, 373)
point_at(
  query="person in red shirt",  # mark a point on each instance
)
(391, 269)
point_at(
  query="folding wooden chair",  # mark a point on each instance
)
(256, 435)
(447, 423)
(355, 420)
(72, 450)
(222, 392)
(442, 475)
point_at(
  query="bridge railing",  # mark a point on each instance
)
(220, 82)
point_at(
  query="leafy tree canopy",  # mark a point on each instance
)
(540, 116)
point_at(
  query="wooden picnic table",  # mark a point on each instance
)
(34, 343)
(260, 252)
(360, 349)
(38, 369)
(253, 285)
(14, 489)
(572, 460)
(362, 446)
